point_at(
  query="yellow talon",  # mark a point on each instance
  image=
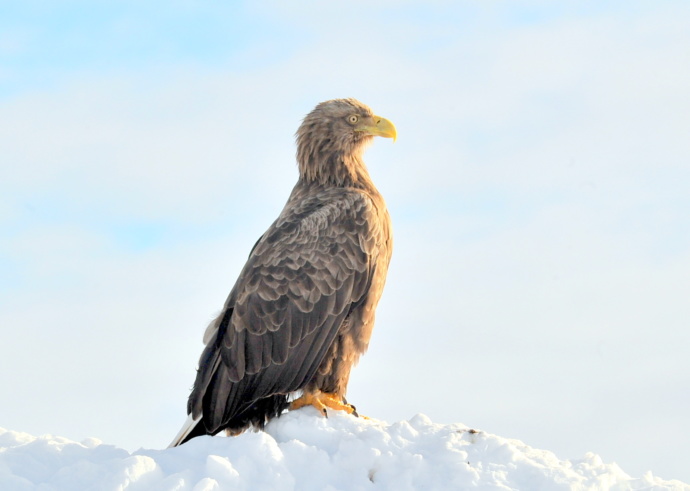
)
(321, 401)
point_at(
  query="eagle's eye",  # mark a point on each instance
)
(353, 119)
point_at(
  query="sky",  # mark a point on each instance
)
(538, 191)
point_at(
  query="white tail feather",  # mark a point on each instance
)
(187, 428)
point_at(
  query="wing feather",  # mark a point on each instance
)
(299, 284)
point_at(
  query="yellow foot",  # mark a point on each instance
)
(321, 401)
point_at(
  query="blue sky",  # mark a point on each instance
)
(538, 190)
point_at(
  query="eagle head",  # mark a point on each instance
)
(332, 139)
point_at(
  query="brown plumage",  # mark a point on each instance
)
(302, 310)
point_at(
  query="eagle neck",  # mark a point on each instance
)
(335, 169)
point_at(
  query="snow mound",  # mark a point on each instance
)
(305, 451)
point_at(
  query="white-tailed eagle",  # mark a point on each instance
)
(302, 310)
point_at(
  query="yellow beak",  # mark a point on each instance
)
(378, 126)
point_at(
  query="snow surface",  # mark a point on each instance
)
(305, 451)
